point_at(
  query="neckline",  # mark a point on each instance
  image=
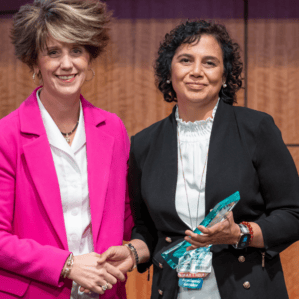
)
(193, 131)
(196, 123)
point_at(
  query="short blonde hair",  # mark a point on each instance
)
(83, 22)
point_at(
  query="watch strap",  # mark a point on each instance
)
(244, 231)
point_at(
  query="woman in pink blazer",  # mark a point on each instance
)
(63, 163)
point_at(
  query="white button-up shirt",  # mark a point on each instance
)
(71, 169)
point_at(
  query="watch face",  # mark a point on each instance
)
(244, 241)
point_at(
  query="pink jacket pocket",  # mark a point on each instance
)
(13, 283)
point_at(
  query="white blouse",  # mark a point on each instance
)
(194, 138)
(71, 169)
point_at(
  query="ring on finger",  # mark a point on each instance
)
(105, 287)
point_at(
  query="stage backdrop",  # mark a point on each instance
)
(268, 32)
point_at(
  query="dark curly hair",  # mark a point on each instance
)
(188, 33)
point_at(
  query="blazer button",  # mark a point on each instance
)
(167, 239)
(160, 266)
(246, 285)
(241, 259)
(160, 292)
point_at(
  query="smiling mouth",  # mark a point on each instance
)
(66, 78)
(194, 85)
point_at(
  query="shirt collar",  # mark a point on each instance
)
(54, 135)
(80, 136)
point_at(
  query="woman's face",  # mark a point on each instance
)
(63, 67)
(197, 71)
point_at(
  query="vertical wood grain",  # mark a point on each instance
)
(273, 72)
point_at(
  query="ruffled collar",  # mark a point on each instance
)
(196, 128)
(197, 122)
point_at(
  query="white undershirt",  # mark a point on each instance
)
(194, 142)
(71, 169)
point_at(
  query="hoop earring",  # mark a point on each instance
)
(93, 74)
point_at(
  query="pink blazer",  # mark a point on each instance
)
(33, 242)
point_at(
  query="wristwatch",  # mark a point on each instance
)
(244, 237)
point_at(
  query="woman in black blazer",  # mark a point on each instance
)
(239, 149)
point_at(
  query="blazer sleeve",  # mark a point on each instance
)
(128, 215)
(24, 257)
(144, 228)
(279, 186)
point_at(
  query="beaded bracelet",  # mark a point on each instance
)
(68, 266)
(247, 224)
(135, 255)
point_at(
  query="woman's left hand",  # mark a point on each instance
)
(224, 232)
(117, 256)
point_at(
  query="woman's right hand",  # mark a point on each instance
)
(120, 257)
(90, 272)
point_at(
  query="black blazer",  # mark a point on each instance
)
(246, 154)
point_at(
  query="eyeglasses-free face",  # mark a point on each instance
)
(197, 72)
(63, 67)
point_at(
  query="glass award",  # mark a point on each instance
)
(219, 213)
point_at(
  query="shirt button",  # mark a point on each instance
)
(167, 239)
(246, 285)
(75, 212)
(241, 259)
(160, 292)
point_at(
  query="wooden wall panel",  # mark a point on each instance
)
(235, 29)
(127, 76)
(273, 72)
(290, 256)
(290, 265)
(138, 286)
(295, 154)
(273, 76)
(15, 81)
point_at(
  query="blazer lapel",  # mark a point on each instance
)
(168, 164)
(223, 160)
(40, 163)
(99, 147)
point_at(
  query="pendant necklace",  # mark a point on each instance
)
(66, 135)
(203, 172)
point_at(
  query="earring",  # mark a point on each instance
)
(93, 74)
(168, 81)
(224, 85)
(33, 77)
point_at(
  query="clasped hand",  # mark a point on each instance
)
(111, 265)
(224, 232)
(92, 273)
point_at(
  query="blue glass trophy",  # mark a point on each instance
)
(200, 259)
